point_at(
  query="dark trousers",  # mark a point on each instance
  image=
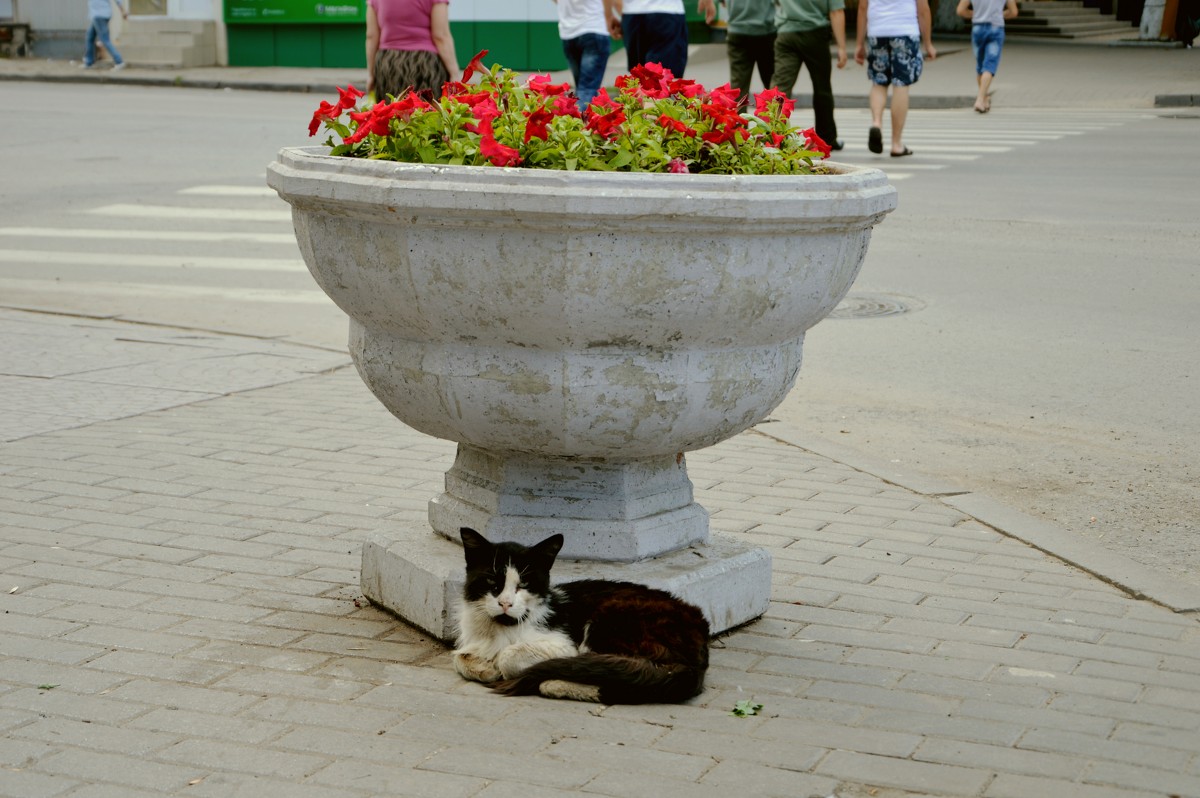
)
(810, 49)
(746, 53)
(656, 39)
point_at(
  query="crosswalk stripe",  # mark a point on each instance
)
(148, 235)
(59, 258)
(230, 191)
(313, 297)
(198, 214)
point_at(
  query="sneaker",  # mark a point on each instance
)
(837, 145)
(118, 67)
(85, 65)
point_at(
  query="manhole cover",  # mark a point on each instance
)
(871, 306)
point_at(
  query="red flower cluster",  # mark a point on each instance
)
(378, 120)
(347, 97)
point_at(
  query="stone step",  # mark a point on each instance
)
(162, 42)
(1064, 19)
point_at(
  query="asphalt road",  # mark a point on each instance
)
(1045, 260)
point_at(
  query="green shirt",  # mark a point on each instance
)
(798, 16)
(751, 17)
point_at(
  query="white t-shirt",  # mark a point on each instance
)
(577, 17)
(890, 18)
(653, 7)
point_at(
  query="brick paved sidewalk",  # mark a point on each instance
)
(178, 578)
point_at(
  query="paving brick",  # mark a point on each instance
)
(27, 784)
(753, 778)
(140, 663)
(904, 773)
(96, 736)
(951, 727)
(121, 770)
(835, 735)
(382, 779)
(1009, 785)
(1066, 742)
(788, 755)
(177, 723)
(259, 760)
(999, 758)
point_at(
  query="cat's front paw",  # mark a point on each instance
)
(477, 669)
(513, 660)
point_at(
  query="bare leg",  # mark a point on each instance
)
(982, 103)
(877, 100)
(899, 115)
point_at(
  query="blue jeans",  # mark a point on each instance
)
(99, 30)
(587, 55)
(656, 38)
(987, 40)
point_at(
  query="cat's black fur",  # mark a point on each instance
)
(594, 640)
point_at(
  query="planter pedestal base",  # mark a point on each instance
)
(418, 574)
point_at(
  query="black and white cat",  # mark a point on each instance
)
(590, 640)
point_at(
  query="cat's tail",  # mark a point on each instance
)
(607, 679)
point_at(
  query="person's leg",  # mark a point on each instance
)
(633, 33)
(739, 48)
(667, 42)
(899, 116)
(764, 57)
(593, 60)
(572, 51)
(787, 62)
(993, 43)
(89, 52)
(815, 52)
(102, 35)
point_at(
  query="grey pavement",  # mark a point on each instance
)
(181, 515)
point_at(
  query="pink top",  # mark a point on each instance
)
(404, 24)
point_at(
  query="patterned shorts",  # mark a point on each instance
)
(398, 70)
(894, 60)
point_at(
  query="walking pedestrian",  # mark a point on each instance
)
(99, 14)
(655, 32)
(987, 40)
(892, 34)
(805, 29)
(749, 41)
(583, 29)
(409, 46)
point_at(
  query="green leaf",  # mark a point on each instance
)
(47, 686)
(744, 709)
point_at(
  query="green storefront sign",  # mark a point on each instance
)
(293, 11)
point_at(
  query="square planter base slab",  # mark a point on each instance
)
(418, 574)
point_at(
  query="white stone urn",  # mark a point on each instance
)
(575, 334)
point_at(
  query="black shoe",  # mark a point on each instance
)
(837, 145)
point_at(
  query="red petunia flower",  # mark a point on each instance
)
(670, 123)
(348, 96)
(602, 100)
(326, 111)
(565, 105)
(764, 99)
(725, 96)
(814, 142)
(654, 80)
(686, 88)
(476, 65)
(677, 167)
(607, 125)
(535, 124)
(494, 151)
(541, 85)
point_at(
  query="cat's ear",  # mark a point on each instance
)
(475, 546)
(548, 549)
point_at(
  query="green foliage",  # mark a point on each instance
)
(653, 123)
(744, 709)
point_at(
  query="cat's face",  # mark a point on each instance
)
(506, 581)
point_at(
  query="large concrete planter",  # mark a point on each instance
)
(576, 333)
